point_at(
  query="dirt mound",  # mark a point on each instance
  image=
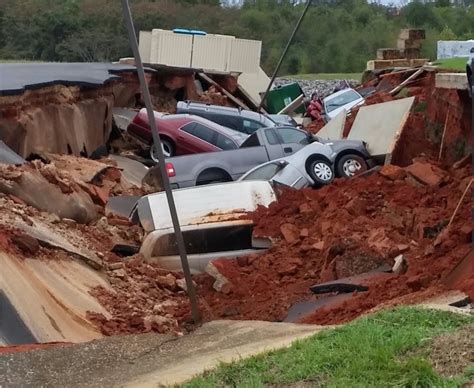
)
(350, 227)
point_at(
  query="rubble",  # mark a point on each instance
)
(390, 211)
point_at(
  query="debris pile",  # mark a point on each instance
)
(143, 298)
(350, 227)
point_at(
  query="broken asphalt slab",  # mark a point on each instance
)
(18, 77)
(47, 237)
(350, 284)
(148, 360)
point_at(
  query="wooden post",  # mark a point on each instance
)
(444, 134)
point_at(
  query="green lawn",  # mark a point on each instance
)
(380, 350)
(452, 64)
(326, 76)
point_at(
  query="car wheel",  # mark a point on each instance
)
(168, 150)
(351, 165)
(321, 172)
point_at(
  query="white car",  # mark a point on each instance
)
(344, 99)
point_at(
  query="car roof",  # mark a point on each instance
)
(343, 91)
(227, 110)
(188, 118)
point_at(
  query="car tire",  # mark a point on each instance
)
(168, 150)
(321, 172)
(350, 165)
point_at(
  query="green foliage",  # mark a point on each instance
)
(447, 34)
(335, 36)
(373, 351)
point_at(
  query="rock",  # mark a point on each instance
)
(168, 281)
(290, 267)
(392, 172)
(305, 208)
(379, 241)
(418, 282)
(181, 283)
(400, 265)
(287, 269)
(115, 266)
(319, 246)
(26, 243)
(220, 280)
(120, 273)
(290, 232)
(326, 227)
(356, 207)
(69, 222)
(426, 173)
(466, 233)
(242, 261)
(304, 232)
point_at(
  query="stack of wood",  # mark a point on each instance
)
(406, 54)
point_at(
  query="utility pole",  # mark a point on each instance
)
(127, 15)
(295, 30)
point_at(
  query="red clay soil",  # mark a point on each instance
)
(347, 228)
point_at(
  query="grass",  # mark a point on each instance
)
(372, 351)
(326, 76)
(452, 64)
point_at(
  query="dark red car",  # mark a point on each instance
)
(183, 134)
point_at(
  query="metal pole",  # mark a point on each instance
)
(127, 15)
(284, 54)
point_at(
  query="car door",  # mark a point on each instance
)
(274, 148)
(291, 139)
(196, 138)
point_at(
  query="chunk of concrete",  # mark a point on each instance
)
(335, 128)
(400, 265)
(380, 126)
(456, 81)
(426, 173)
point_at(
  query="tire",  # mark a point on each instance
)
(321, 172)
(168, 150)
(350, 165)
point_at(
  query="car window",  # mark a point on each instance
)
(224, 143)
(227, 121)
(252, 141)
(201, 131)
(340, 100)
(271, 137)
(251, 126)
(188, 128)
(265, 173)
(289, 135)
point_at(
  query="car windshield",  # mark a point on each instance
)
(340, 100)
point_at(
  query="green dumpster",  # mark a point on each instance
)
(281, 96)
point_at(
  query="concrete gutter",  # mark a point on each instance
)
(148, 360)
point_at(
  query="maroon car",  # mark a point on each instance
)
(183, 134)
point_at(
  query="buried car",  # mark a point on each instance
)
(266, 144)
(212, 222)
(345, 99)
(348, 158)
(183, 134)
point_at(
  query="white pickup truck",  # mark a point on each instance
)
(211, 219)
